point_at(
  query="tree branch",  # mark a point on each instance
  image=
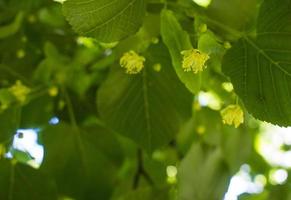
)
(140, 171)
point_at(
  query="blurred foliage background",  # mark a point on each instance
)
(96, 132)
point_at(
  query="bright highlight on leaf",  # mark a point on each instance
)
(132, 62)
(232, 114)
(20, 91)
(203, 3)
(194, 60)
(172, 174)
(278, 176)
(203, 28)
(60, 1)
(87, 42)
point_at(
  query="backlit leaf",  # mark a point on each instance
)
(106, 20)
(259, 67)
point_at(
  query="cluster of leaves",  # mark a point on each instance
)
(119, 133)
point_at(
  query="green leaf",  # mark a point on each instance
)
(209, 43)
(205, 124)
(202, 174)
(10, 119)
(37, 112)
(21, 156)
(262, 196)
(239, 15)
(259, 67)
(177, 40)
(147, 193)
(12, 28)
(75, 159)
(236, 13)
(147, 34)
(106, 20)
(237, 145)
(52, 16)
(149, 107)
(52, 67)
(21, 182)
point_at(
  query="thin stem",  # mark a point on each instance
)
(74, 124)
(233, 32)
(140, 171)
(70, 108)
(36, 94)
(15, 74)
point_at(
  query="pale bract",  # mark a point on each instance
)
(194, 60)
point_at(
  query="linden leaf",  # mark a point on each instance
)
(148, 107)
(106, 20)
(12, 28)
(178, 40)
(86, 167)
(260, 67)
(19, 182)
(202, 174)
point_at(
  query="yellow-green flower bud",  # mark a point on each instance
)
(53, 91)
(202, 28)
(227, 45)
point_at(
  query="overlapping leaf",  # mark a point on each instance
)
(10, 122)
(260, 67)
(206, 125)
(21, 182)
(80, 162)
(177, 40)
(202, 174)
(106, 20)
(149, 107)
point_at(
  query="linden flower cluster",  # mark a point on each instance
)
(132, 62)
(20, 91)
(232, 114)
(194, 60)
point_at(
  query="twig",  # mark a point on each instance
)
(140, 171)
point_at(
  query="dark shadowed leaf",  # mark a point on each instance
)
(21, 182)
(77, 163)
(9, 123)
(149, 107)
(202, 174)
(259, 67)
